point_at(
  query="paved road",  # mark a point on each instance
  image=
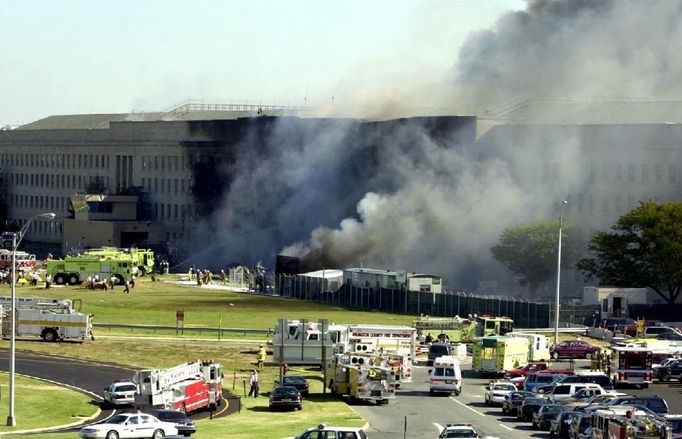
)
(425, 413)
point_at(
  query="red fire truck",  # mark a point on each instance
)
(25, 260)
(631, 365)
(186, 387)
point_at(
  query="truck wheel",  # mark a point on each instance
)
(141, 271)
(588, 356)
(666, 377)
(60, 279)
(119, 279)
(50, 335)
(331, 387)
(555, 355)
(73, 280)
(112, 435)
(158, 434)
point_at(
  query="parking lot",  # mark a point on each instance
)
(415, 414)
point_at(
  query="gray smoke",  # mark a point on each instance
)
(425, 206)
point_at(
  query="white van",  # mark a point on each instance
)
(446, 376)
(564, 391)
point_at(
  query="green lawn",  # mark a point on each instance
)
(155, 303)
(39, 404)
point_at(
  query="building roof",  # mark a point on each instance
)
(595, 111)
(372, 271)
(326, 274)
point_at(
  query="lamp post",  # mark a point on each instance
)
(558, 275)
(11, 420)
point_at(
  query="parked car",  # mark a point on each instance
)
(545, 414)
(530, 367)
(528, 407)
(566, 391)
(537, 379)
(561, 424)
(591, 377)
(631, 330)
(654, 403)
(514, 400)
(580, 425)
(672, 369)
(458, 431)
(584, 394)
(185, 425)
(593, 401)
(129, 425)
(297, 381)
(285, 397)
(672, 336)
(120, 393)
(326, 431)
(655, 331)
(618, 323)
(675, 422)
(495, 392)
(573, 349)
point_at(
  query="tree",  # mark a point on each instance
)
(644, 249)
(530, 251)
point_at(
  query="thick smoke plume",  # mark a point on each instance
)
(405, 201)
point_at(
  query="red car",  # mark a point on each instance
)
(532, 366)
(631, 330)
(573, 349)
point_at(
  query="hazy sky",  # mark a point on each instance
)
(71, 57)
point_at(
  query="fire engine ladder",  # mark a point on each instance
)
(36, 302)
(179, 373)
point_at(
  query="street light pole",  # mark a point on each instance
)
(558, 275)
(11, 420)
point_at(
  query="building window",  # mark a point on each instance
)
(672, 174)
(632, 174)
(645, 173)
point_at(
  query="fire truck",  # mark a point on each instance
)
(141, 259)
(464, 330)
(185, 387)
(50, 319)
(386, 339)
(389, 360)
(627, 422)
(302, 342)
(349, 374)
(25, 261)
(73, 270)
(631, 365)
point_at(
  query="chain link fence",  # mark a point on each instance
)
(526, 314)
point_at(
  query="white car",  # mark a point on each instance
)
(463, 431)
(120, 393)
(326, 431)
(495, 392)
(130, 425)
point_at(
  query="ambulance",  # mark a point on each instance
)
(446, 376)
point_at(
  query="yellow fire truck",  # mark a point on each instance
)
(498, 354)
(142, 259)
(348, 374)
(73, 270)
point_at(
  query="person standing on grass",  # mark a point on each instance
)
(126, 284)
(261, 357)
(253, 381)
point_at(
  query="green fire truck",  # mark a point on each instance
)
(73, 270)
(143, 259)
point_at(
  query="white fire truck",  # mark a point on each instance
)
(387, 339)
(186, 387)
(631, 365)
(50, 319)
(349, 374)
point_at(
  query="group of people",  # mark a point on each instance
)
(600, 361)
(203, 277)
(92, 281)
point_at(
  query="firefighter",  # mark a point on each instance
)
(607, 362)
(600, 360)
(261, 357)
(593, 361)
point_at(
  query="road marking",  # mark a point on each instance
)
(508, 428)
(467, 407)
(477, 396)
(438, 426)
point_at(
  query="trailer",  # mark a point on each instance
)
(50, 319)
(186, 387)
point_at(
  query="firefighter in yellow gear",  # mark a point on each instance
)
(261, 357)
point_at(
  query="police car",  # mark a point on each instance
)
(465, 431)
(333, 433)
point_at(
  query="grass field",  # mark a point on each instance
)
(39, 404)
(155, 303)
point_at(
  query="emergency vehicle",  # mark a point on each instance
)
(446, 376)
(499, 354)
(487, 325)
(142, 259)
(25, 261)
(631, 365)
(457, 329)
(396, 339)
(73, 270)
(50, 319)
(538, 345)
(627, 422)
(349, 375)
(186, 387)
(384, 359)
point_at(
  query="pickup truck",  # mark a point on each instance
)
(532, 366)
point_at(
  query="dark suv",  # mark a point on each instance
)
(671, 370)
(439, 350)
(184, 425)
